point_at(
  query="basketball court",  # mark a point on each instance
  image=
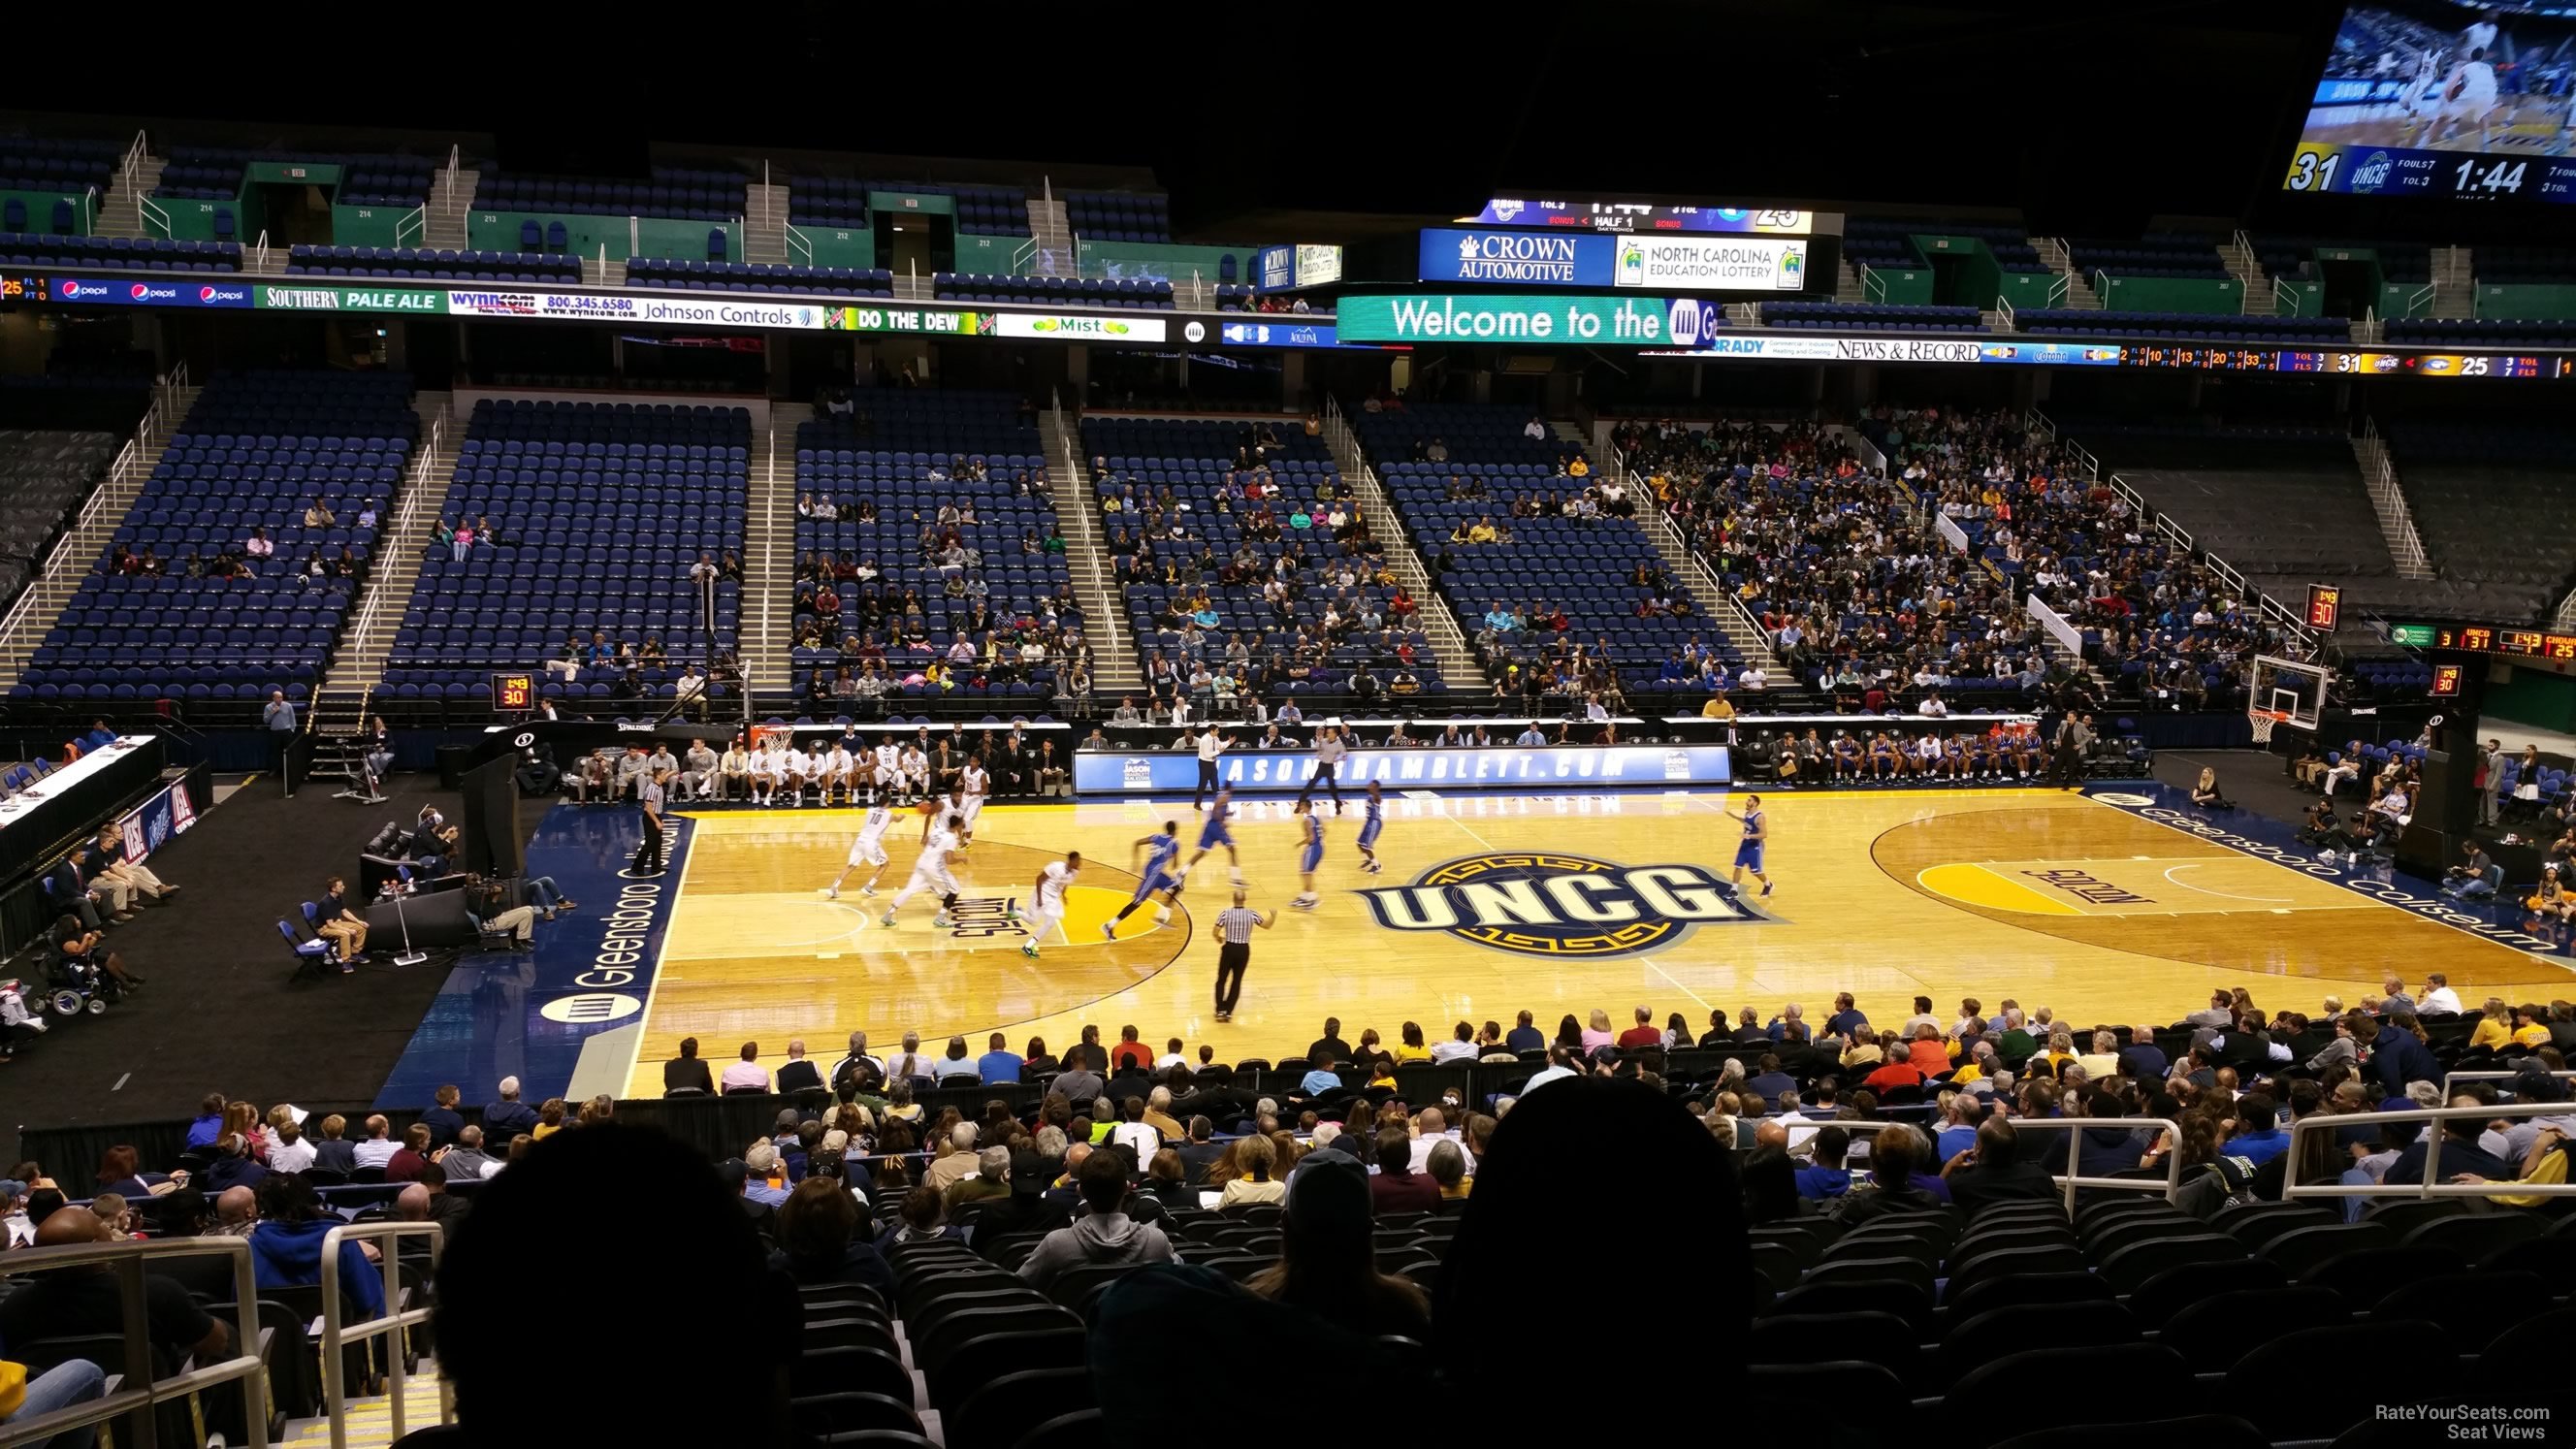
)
(2117, 907)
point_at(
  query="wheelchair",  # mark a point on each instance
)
(77, 986)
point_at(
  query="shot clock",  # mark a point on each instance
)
(514, 693)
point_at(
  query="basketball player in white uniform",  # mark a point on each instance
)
(974, 783)
(868, 850)
(802, 766)
(836, 773)
(930, 873)
(2469, 95)
(916, 771)
(764, 772)
(1046, 901)
(888, 779)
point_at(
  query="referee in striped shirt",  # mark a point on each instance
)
(1234, 953)
(1330, 747)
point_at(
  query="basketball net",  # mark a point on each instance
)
(2264, 721)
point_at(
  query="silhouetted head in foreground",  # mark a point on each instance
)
(622, 1244)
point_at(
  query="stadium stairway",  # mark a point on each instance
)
(1115, 669)
(1848, 288)
(358, 663)
(764, 227)
(1707, 595)
(2396, 520)
(1458, 663)
(121, 213)
(2455, 284)
(86, 541)
(1053, 235)
(2238, 253)
(451, 201)
(2080, 295)
(769, 552)
(369, 1420)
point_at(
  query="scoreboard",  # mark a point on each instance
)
(2348, 364)
(2507, 641)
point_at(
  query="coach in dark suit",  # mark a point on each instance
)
(68, 886)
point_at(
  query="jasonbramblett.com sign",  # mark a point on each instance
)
(1546, 321)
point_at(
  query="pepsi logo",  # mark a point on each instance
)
(205, 294)
(138, 291)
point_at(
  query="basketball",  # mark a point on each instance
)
(2452, 91)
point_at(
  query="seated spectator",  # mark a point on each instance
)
(818, 1238)
(1990, 1174)
(87, 1300)
(378, 1148)
(686, 1072)
(1397, 1188)
(1254, 1159)
(508, 1117)
(1896, 1154)
(746, 1075)
(1825, 1178)
(1104, 1233)
(1327, 1261)
(286, 1247)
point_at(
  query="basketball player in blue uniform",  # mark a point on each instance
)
(1374, 822)
(1309, 857)
(1757, 833)
(1214, 833)
(1162, 874)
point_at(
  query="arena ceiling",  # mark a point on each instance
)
(2084, 118)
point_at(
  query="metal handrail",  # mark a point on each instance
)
(1648, 505)
(2071, 1180)
(361, 633)
(1870, 279)
(336, 1333)
(2004, 309)
(413, 223)
(148, 211)
(138, 1393)
(2432, 1184)
(157, 416)
(2449, 1077)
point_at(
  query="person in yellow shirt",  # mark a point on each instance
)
(550, 1119)
(1717, 708)
(1382, 1073)
(2495, 1027)
(1482, 532)
(1412, 1047)
(1578, 468)
(2528, 1029)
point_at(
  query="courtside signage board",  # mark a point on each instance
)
(1499, 767)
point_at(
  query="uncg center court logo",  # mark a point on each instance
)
(1548, 903)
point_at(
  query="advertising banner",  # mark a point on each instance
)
(1318, 265)
(1577, 259)
(1563, 321)
(1639, 216)
(710, 311)
(150, 825)
(1052, 328)
(1274, 269)
(1708, 264)
(187, 291)
(1280, 334)
(1173, 772)
(274, 298)
(934, 321)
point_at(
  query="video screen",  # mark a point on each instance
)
(2435, 76)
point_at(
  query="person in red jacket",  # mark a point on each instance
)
(1644, 1033)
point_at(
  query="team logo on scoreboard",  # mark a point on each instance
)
(1549, 903)
(2372, 173)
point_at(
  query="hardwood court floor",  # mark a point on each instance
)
(2047, 897)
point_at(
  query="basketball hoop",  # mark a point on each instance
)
(2265, 721)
